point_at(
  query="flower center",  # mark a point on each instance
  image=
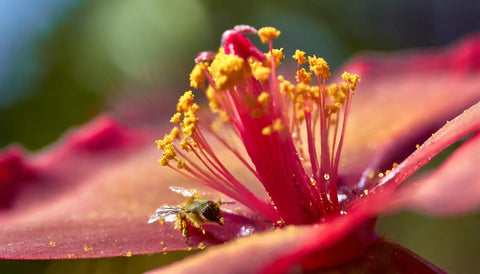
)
(292, 133)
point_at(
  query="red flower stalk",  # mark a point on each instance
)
(91, 196)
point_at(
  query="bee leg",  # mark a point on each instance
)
(184, 228)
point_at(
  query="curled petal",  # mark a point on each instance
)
(447, 135)
(454, 188)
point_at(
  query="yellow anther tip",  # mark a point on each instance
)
(197, 76)
(227, 71)
(267, 34)
(277, 56)
(319, 66)
(300, 57)
(263, 98)
(175, 118)
(185, 101)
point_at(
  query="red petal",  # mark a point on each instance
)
(261, 252)
(288, 250)
(447, 135)
(385, 257)
(92, 195)
(453, 188)
(404, 97)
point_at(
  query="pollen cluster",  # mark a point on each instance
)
(188, 125)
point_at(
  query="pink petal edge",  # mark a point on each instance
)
(452, 131)
(454, 188)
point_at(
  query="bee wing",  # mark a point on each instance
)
(182, 191)
(165, 211)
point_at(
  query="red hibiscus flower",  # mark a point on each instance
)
(309, 164)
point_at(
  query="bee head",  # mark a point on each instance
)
(211, 212)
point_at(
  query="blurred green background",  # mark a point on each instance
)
(64, 62)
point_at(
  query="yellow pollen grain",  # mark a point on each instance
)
(333, 90)
(268, 130)
(227, 71)
(313, 182)
(371, 175)
(365, 191)
(319, 66)
(174, 133)
(380, 175)
(260, 72)
(277, 56)
(263, 98)
(129, 254)
(201, 245)
(197, 76)
(52, 244)
(87, 249)
(300, 57)
(181, 164)
(267, 34)
(417, 146)
(326, 176)
(303, 76)
(176, 118)
(287, 88)
(278, 125)
(351, 79)
(185, 101)
(189, 249)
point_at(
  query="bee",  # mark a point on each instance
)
(196, 210)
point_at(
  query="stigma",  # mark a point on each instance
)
(288, 134)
